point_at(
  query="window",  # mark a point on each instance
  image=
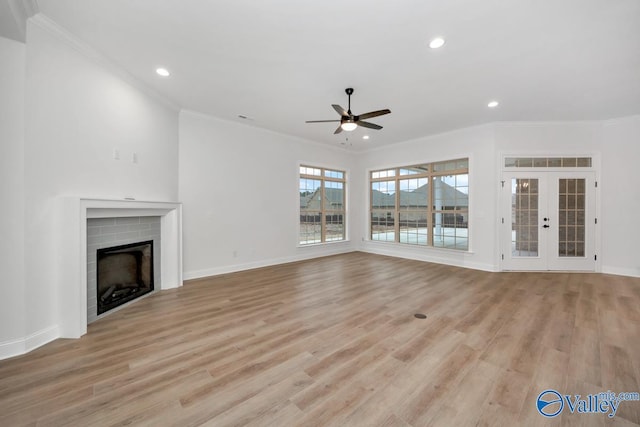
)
(548, 162)
(425, 205)
(322, 205)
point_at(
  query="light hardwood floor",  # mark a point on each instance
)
(334, 341)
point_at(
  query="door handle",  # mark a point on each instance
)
(546, 226)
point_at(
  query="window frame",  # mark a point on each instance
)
(430, 171)
(326, 175)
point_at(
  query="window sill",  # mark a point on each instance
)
(320, 244)
(419, 247)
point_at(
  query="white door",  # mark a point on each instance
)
(549, 221)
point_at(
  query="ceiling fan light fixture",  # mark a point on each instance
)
(348, 126)
(349, 121)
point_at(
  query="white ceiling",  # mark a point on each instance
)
(282, 62)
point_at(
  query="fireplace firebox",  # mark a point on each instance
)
(124, 273)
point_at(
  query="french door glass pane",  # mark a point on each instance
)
(524, 217)
(571, 217)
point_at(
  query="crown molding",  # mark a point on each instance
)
(63, 35)
(21, 11)
(258, 128)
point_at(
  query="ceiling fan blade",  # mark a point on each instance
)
(340, 110)
(338, 130)
(368, 125)
(374, 114)
(321, 121)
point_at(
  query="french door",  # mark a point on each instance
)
(548, 221)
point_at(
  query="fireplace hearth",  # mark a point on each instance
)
(124, 273)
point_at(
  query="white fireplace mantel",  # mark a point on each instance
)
(72, 256)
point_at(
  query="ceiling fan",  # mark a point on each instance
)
(349, 121)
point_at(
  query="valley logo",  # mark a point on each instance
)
(550, 403)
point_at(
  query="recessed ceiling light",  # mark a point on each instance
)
(493, 104)
(163, 72)
(436, 43)
(365, 137)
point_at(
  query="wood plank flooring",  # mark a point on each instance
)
(334, 341)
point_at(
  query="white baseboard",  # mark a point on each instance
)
(26, 344)
(216, 271)
(620, 271)
(463, 260)
(456, 259)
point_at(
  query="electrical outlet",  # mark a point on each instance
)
(116, 154)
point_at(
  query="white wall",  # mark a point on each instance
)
(239, 189)
(77, 113)
(546, 138)
(477, 144)
(621, 196)
(12, 304)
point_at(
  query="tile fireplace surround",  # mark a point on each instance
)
(73, 280)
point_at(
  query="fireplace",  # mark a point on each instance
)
(76, 276)
(124, 273)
